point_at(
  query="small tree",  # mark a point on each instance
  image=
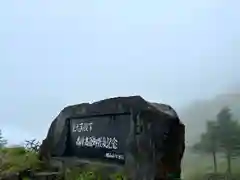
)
(3, 141)
(228, 134)
(209, 142)
(32, 145)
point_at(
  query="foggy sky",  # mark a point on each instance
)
(55, 53)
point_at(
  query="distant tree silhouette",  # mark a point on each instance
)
(3, 141)
(228, 135)
(222, 136)
(209, 142)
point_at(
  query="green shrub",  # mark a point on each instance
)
(17, 159)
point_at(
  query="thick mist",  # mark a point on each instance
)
(57, 53)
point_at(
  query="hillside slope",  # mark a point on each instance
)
(196, 114)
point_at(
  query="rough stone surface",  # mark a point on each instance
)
(156, 151)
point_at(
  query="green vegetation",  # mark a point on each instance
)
(17, 159)
(3, 141)
(221, 143)
(217, 149)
